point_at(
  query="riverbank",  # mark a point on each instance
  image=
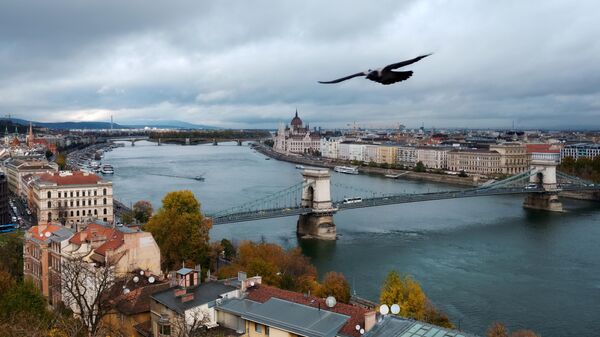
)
(328, 163)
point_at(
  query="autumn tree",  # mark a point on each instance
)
(497, 329)
(180, 230)
(524, 333)
(142, 211)
(127, 217)
(61, 161)
(284, 269)
(335, 284)
(228, 249)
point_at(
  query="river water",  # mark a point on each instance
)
(479, 260)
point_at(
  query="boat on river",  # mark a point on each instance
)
(107, 169)
(346, 169)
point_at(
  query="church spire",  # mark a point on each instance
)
(296, 112)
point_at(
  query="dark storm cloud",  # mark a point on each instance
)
(251, 63)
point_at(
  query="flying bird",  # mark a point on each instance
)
(384, 75)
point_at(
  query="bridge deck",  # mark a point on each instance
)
(252, 215)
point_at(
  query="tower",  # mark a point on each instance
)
(30, 137)
(316, 199)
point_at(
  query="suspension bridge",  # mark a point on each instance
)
(311, 198)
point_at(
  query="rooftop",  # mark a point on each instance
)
(262, 293)
(204, 293)
(297, 318)
(50, 232)
(69, 178)
(394, 326)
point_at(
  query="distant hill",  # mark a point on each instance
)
(160, 123)
(135, 124)
(70, 125)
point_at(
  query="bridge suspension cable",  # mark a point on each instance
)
(290, 197)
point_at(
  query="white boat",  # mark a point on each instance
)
(346, 169)
(94, 164)
(300, 167)
(107, 169)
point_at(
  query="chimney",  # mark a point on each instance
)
(370, 320)
(187, 298)
(198, 275)
(172, 279)
(241, 276)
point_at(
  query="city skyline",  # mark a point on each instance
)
(251, 65)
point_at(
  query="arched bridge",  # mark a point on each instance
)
(311, 199)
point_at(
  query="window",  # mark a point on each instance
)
(49, 216)
(77, 202)
(71, 213)
(105, 211)
(164, 329)
(49, 204)
(83, 193)
(95, 202)
(71, 203)
(95, 212)
(49, 194)
(77, 213)
(59, 194)
(257, 327)
(266, 330)
(104, 201)
(104, 191)
(95, 193)
(71, 194)
(77, 193)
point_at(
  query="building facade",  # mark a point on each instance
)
(72, 198)
(42, 256)
(15, 169)
(4, 205)
(296, 138)
(433, 157)
(580, 150)
(475, 161)
(513, 157)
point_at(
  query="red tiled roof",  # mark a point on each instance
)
(541, 148)
(73, 178)
(262, 293)
(113, 237)
(39, 232)
(138, 301)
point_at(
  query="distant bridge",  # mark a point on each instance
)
(311, 198)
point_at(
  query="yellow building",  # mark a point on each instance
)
(513, 157)
(387, 154)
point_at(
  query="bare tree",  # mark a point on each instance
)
(191, 324)
(86, 288)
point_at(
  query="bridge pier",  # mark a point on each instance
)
(215, 142)
(158, 142)
(316, 196)
(187, 141)
(545, 165)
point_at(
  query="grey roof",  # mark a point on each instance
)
(394, 326)
(61, 234)
(204, 293)
(289, 316)
(184, 271)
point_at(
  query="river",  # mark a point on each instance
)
(479, 260)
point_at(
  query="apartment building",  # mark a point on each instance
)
(513, 157)
(475, 161)
(433, 157)
(580, 150)
(42, 253)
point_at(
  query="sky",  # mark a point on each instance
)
(251, 64)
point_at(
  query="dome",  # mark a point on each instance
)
(296, 121)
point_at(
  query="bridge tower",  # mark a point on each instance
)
(316, 196)
(544, 175)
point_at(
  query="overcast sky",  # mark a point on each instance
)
(252, 63)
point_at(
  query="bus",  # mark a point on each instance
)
(352, 200)
(7, 228)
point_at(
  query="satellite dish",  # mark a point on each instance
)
(142, 272)
(252, 283)
(384, 309)
(330, 301)
(395, 309)
(136, 279)
(126, 291)
(362, 331)
(357, 327)
(47, 234)
(151, 279)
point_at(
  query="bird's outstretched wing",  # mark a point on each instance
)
(362, 73)
(394, 76)
(404, 63)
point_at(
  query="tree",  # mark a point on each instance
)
(142, 211)
(335, 284)
(497, 329)
(11, 250)
(23, 298)
(228, 249)
(405, 292)
(420, 167)
(61, 161)
(86, 290)
(524, 333)
(180, 230)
